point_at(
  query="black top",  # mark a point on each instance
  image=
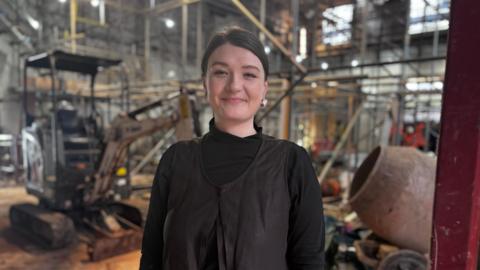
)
(225, 157)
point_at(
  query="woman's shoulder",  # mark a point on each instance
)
(184, 145)
(187, 143)
(286, 143)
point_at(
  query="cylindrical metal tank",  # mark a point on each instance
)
(392, 193)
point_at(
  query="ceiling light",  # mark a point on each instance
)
(34, 23)
(411, 86)
(303, 42)
(169, 23)
(354, 63)
(267, 50)
(298, 58)
(332, 84)
(62, 1)
(324, 65)
(438, 85)
(171, 74)
(95, 3)
(313, 85)
(5, 137)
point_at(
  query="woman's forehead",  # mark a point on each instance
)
(228, 54)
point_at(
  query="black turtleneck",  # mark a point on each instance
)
(224, 158)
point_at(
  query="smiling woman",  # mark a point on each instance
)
(234, 198)
(235, 84)
(234, 70)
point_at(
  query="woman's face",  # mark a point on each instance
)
(235, 83)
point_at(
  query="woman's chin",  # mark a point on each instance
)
(232, 117)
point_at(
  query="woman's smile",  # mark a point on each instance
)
(233, 100)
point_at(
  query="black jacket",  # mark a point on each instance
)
(253, 218)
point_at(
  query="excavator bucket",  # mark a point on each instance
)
(117, 230)
(105, 247)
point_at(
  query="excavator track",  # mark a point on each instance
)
(50, 229)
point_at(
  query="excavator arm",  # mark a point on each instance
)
(124, 130)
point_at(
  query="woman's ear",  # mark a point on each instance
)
(265, 85)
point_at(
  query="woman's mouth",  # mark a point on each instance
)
(233, 100)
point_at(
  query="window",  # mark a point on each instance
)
(428, 15)
(337, 24)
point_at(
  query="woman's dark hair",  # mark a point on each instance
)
(238, 37)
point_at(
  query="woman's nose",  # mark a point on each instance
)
(235, 82)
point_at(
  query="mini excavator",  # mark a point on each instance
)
(70, 165)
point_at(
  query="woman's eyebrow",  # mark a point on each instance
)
(219, 63)
(251, 66)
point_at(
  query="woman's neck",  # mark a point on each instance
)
(242, 130)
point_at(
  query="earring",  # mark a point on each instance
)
(264, 102)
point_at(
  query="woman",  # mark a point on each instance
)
(235, 198)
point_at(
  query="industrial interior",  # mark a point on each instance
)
(92, 93)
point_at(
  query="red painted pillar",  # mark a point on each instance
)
(457, 205)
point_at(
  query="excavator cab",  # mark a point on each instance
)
(61, 147)
(60, 185)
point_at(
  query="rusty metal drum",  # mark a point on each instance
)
(392, 193)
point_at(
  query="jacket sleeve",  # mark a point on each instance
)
(306, 235)
(152, 244)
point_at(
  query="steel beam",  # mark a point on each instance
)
(457, 195)
(385, 63)
(167, 6)
(73, 24)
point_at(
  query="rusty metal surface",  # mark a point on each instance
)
(106, 247)
(18, 252)
(392, 193)
(107, 235)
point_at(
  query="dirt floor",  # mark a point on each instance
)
(18, 252)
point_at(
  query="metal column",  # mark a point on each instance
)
(262, 19)
(287, 103)
(199, 34)
(457, 195)
(73, 25)
(184, 41)
(146, 44)
(285, 116)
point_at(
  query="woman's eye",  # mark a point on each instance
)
(219, 73)
(250, 75)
